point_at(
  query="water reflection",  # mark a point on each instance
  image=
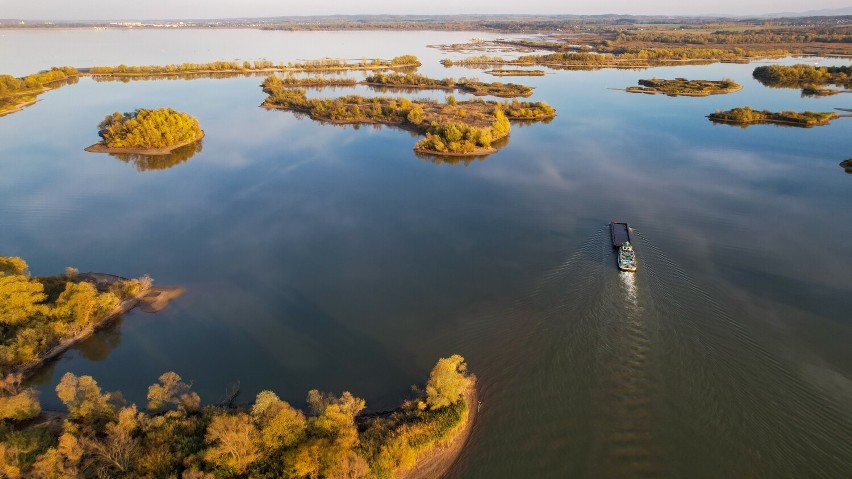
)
(464, 160)
(160, 162)
(102, 343)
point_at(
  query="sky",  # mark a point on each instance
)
(183, 9)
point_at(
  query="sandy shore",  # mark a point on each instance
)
(102, 148)
(438, 462)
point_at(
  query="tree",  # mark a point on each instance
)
(23, 405)
(119, 448)
(415, 115)
(83, 398)
(80, 303)
(13, 265)
(60, 462)
(172, 391)
(234, 442)
(447, 382)
(281, 425)
(20, 299)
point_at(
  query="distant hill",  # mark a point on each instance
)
(826, 12)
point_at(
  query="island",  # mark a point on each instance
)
(796, 76)
(684, 87)
(746, 116)
(846, 165)
(516, 73)
(147, 132)
(454, 128)
(814, 90)
(466, 85)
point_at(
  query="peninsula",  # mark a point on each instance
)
(42, 317)
(147, 132)
(454, 128)
(17, 93)
(747, 116)
(174, 435)
(684, 87)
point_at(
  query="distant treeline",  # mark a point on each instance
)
(741, 37)
(626, 58)
(801, 75)
(324, 64)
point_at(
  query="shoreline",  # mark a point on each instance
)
(101, 148)
(441, 459)
(86, 71)
(654, 91)
(769, 120)
(405, 126)
(29, 368)
(478, 152)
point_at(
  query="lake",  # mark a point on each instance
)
(329, 257)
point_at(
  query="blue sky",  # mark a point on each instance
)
(175, 9)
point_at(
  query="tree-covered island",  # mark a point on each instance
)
(454, 128)
(684, 87)
(149, 132)
(746, 116)
(515, 73)
(797, 76)
(811, 79)
(466, 85)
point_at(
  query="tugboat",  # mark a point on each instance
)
(626, 257)
(620, 233)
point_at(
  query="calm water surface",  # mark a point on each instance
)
(328, 257)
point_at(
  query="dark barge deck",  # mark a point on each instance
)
(620, 233)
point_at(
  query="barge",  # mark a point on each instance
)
(620, 234)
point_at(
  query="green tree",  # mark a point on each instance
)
(448, 381)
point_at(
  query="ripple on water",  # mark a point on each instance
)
(611, 374)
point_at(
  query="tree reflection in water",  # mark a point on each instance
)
(160, 162)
